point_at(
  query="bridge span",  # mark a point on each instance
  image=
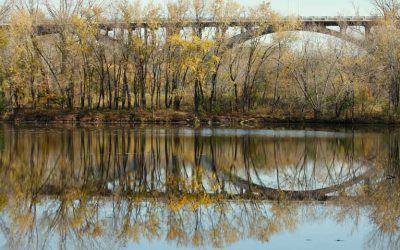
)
(305, 23)
(335, 26)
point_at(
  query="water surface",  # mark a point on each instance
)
(65, 187)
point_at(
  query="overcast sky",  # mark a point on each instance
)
(316, 7)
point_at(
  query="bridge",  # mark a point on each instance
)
(366, 21)
(249, 27)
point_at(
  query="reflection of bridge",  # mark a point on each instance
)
(237, 187)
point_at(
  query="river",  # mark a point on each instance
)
(122, 187)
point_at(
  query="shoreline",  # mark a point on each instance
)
(178, 118)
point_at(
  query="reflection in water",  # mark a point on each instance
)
(204, 187)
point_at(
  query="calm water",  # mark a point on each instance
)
(167, 188)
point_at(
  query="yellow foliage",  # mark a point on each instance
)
(3, 202)
(3, 39)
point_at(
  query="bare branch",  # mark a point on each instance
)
(5, 8)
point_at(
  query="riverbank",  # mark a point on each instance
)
(175, 118)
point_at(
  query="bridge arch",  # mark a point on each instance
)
(254, 33)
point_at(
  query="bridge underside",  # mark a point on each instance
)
(342, 34)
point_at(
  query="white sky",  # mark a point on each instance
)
(320, 7)
(315, 7)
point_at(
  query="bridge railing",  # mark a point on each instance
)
(338, 18)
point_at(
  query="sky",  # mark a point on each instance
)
(318, 7)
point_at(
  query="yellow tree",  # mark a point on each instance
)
(192, 63)
(386, 49)
(3, 73)
(26, 68)
(83, 47)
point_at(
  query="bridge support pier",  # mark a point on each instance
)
(220, 32)
(198, 30)
(367, 31)
(171, 31)
(343, 29)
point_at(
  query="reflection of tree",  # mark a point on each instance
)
(196, 222)
(138, 160)
(111, 186)
(385, 198)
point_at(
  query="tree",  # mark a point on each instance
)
(386, 49)
(315, 71)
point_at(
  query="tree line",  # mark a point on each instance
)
(193, 68)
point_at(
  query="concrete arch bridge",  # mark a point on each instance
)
(249, 28)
